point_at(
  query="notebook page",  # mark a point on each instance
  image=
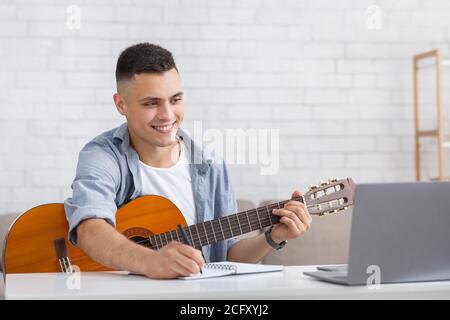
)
(209, 273)
(220, 269)
(246, 268)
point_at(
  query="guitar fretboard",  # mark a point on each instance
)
(230, 226)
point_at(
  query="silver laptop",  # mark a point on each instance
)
(400, 233)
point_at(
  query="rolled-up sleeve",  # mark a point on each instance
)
(94, 188)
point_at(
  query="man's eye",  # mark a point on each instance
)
(151, 104)
(176, 100)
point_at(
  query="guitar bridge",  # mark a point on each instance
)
(63, 259)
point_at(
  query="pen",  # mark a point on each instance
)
(186, 239)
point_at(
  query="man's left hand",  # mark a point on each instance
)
(295, 220)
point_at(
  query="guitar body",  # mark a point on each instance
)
(30, 244)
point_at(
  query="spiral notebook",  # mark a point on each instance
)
(221, 269)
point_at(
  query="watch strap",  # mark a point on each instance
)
(273, 244)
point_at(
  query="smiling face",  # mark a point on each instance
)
(154, 107)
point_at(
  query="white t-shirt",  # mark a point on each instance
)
(173, 183)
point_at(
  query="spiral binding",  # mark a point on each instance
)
(221, 266)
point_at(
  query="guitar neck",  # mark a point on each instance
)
(230, 226)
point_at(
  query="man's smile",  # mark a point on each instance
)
(165, 128)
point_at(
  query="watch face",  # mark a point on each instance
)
(282, 244)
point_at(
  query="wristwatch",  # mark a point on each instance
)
(273, 244)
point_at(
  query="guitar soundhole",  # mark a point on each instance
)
(139, 240)
(138, 235)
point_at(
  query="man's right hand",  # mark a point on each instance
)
(103, 243)
(174, 260)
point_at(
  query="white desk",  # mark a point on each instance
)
(289, 284)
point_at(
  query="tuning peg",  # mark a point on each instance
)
(333, 180)
(322, 184)
(330, 181)
(334, 187)
(312, 187)
(332, 211)
(343, 209)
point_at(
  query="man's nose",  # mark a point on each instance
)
(165, 110)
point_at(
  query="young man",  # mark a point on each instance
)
(148, 155)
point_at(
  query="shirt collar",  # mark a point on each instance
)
(121, 135)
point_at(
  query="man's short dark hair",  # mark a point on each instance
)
(143, 58)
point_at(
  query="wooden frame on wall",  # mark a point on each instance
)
(439, 131)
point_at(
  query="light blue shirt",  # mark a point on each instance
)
(107, 177)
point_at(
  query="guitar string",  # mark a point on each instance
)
(200, 236)
(204, 237)
(227, 234)
(248, 212)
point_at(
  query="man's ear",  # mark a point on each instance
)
(120, 103)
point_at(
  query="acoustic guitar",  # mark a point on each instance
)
(37, 241)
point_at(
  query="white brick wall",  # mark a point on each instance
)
(340, 94)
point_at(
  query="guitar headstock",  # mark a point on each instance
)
(330, 196)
